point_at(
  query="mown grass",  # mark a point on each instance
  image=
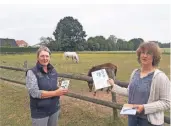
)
(167, 50)
(14, 103)
(125, 63)
(15, 110)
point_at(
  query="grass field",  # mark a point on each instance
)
(14, 103)
(166, 50)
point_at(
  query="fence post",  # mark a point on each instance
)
(25, 64)
(112, 75)
(115, 113)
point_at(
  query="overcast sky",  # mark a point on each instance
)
(30, 22)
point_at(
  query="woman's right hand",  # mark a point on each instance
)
(111, 81)
(61, 91)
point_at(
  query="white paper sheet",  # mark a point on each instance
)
(128, 111)
(100, 78)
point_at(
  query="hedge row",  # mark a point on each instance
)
(17, 49)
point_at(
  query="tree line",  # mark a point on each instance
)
(70, 36)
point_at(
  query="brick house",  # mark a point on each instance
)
(21, 43)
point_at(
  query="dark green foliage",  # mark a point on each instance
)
(69, 35)
(135, 43)
(8, 50)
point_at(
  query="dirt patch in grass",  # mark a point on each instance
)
(15, 110)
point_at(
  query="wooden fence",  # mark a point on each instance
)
(111, 104)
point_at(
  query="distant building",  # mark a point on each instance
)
(21, 43)
(5, 42)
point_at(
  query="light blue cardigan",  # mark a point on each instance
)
(159, 98)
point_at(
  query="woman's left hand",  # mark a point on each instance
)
(111, 81)
(139, 108)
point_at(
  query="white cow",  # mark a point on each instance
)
(72, 55)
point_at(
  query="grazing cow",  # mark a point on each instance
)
(72, 55)
(111, 70)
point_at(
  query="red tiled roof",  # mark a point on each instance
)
(21, 42)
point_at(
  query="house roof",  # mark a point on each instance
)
(21, 42)
(7, 42)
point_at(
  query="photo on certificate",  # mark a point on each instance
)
(65, 84)
(100, 78)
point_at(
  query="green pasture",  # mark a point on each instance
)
(14, 105)
(126, 63)
(166, 50)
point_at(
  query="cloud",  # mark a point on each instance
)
(126, 21)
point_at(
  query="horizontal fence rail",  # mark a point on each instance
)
(70, 75)
(81, 97)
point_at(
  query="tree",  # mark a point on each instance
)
(112, 38)
(121, 44)
(69, 34)
(45, 40)
(136, 42)
(97, 43)
(130, 46)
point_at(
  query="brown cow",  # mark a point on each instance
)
(110, 68)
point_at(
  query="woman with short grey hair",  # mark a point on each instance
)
(41, 83)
